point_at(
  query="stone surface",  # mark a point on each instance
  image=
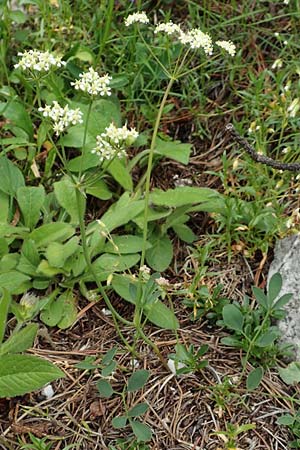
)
(287, 263)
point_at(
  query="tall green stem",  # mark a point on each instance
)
(85, 135)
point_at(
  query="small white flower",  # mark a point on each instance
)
(174, 367)
(286, 2)
(277, 64)
(39, 61)
(195, 38)
(163, 282)
(113, 142)
(91, 83)
(169, 28)
(136, 17)
(62, 117)
(228, 46)
(294, 108)
(145, 269)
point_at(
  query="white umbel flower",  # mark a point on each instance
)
(91, 83)
(195, 38)
(114, 141)
(39, 61)
(228, 46)
(62, 117)
(140, 17)
(169, 28)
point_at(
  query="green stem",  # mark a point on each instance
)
(85, 135)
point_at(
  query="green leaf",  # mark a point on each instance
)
(119, 422)
(286, 420)
(274, 288)
(109, 356)
(109, 369)
(11, 178)
(185, 233)
(50, 232)
(290, 374)
(5, 301)
(115, 263)
(254, 378)
(99, 190)
(266, 339)
(181, 196)
(20, 341)
(14, 281)
(121, 213)
(20, 374)
(233, 318)
(125, 244)
(137, 380)
(4, 207)
(282, 301)
(31, 200)
(65, 192)
(120, 173)
(231, 341)
(142, 432)
(105, 388)
(174, 150)
(69, 314)
(57, 253)
(163, 317)
(160, 255)
(261, 298)
(138, 410)
(17, 114)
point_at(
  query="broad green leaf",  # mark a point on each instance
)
(181, 196)
(44, 269)
(109, 369)
(17, 114)
(119, 422)
(231, 341)
(65, 192)
(254, 378)
(20, 341)
(31, 200)
(14, 281)
(99, 190)
(163, 317)
(52, 313)
(11, 231)
(232, 317)
(142, 432)
(109, 356)
(261, 298)
(275, 285)
(20, 374)
(185, 233)
(137, 380)
(11, 178)
(69, 310)
(290, 374)
(174, 150)
(138, 410)
(160, 255)
(86, 160)
(50, 232)
(125, 244)
(4, 248)
(282, 301)
(57, 253)
(286, 420)
(5, 301)
(4, 207)
(121, 213)
(115, 263)
(120, 173)
(104, 388)
(266, 339)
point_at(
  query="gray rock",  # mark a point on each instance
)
(286, 262)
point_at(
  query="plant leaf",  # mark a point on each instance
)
(30, 200)
(290, 374)
(233, 318)
(20, 374)
(254, 378)
(160, 255)
(11, 177)
(50, 232)
(142, 432)
(5, 301)
(138, 410)
(105, 388)
(274, 288)
(261, 298)
(119, 422)
(137, 380)
(65, 192)
(20, 341)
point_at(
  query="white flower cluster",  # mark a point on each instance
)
(39, 61)
(136, 17)
(169, 28)
(228, 46)
(92, 83)
(194, 38)
(62, 117)
(113, 142)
